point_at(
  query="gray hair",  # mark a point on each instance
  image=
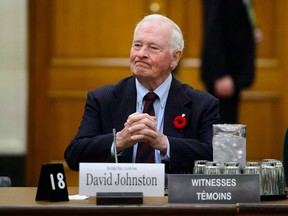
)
(177, 41)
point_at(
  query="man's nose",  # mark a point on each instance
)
(142, 52)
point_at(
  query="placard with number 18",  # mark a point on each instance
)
(52, 183)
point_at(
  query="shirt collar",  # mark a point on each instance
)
(161, 91)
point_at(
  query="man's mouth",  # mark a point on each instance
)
(141, 63)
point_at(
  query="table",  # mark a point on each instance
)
(21, 201)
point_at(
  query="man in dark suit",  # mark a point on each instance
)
(228, 53)
(181, 130)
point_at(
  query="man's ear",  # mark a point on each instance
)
(176, 58)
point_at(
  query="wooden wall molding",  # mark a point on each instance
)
(260, 96)
(62, 95)
(124, 62)
(90, 62)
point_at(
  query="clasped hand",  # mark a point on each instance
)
(140, 127)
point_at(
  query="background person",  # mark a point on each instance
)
(228, 52)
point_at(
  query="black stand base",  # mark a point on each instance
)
(114, 198)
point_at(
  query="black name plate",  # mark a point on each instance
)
(119, 198)
(194, 188)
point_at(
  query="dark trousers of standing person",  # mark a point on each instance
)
(228, 108)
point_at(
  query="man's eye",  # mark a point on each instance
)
(137, 45)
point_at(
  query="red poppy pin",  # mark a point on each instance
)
(180, 121)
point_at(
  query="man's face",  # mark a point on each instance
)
(150, 56)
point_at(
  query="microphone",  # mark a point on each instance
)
(115, 149)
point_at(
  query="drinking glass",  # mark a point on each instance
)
(212, 167)
(231, 168)
(199, 166)
(272, 175)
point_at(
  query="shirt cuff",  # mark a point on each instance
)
(166, 157)
(113, 151)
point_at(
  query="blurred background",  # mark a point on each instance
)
(53, 51)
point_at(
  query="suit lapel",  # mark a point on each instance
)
(175, 106)
(124, 103)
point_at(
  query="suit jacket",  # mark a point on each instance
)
(228, 44)
(108, 107)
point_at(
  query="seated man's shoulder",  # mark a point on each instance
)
(109, 89)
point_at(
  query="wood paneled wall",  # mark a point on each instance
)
(79, 45)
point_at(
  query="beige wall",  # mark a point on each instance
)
(13, 76)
